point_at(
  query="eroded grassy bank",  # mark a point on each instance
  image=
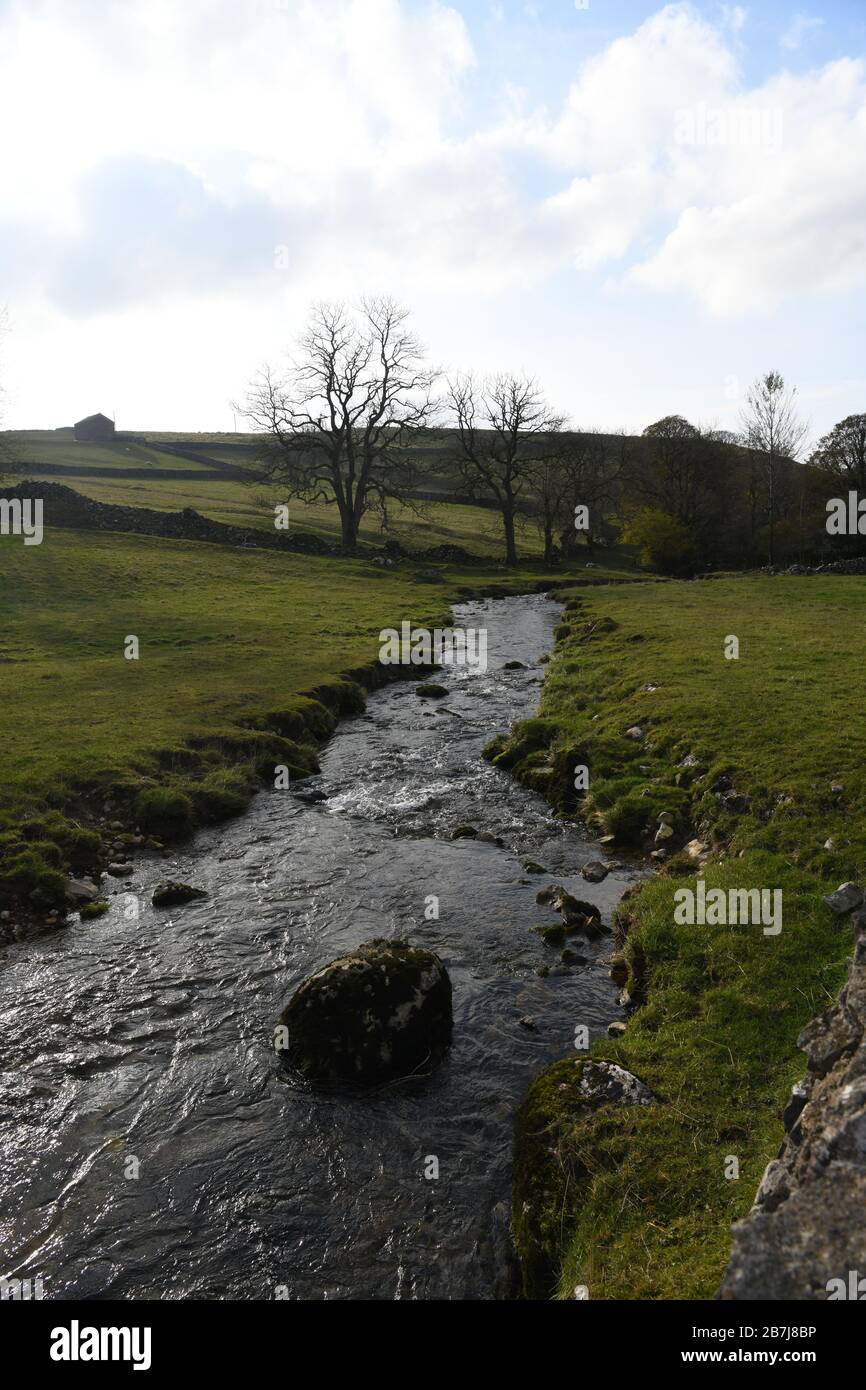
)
(762, 759)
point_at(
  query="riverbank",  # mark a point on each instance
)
(758, 762)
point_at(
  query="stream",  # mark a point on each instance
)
(153, 1145)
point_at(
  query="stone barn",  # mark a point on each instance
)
(94, 428)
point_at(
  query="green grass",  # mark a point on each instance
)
(35, 447)
(225, 634)
(635, 1203)
(476, 529)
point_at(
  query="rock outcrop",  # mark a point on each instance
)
(805, 1237)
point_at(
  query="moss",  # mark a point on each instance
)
(222, 794)
(341, 697)
(94, 909)
(25, 873)
(381, 1012)
(165, 812)
(464, 832)
(529, 736)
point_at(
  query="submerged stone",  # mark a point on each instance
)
(464, 832)
(380, 1012)
(171, 894)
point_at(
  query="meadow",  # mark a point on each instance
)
(422, 525)
(638, 1203)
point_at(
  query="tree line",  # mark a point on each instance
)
(352, 419)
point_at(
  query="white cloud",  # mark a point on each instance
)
(775, 220)
(800, 27)
(174, 146)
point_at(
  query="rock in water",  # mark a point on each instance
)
(171, 894)
(380, 1012)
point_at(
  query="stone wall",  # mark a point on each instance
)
(805, 1237)
(64, 507)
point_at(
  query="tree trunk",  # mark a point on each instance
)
(771, 480)
(548, 541)
(349, 530)
(510, 547)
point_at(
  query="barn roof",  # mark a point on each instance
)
(92, 419)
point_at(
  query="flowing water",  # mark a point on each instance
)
(153, 1146)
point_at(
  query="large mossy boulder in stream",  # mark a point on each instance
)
(381, 1012)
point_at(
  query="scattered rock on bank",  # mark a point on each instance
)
(81, 890)
(846, 898)
(383, 1011)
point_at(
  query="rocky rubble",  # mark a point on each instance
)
(806, 1235)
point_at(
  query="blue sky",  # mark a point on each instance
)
(644, 205)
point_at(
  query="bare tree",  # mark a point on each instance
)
(340, 424)
(771, 425)
(504, 431)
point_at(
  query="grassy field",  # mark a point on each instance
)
(635, 1203)
(29, 450)
(422, 526)
(477, 529)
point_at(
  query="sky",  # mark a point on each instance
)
(642, 205)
